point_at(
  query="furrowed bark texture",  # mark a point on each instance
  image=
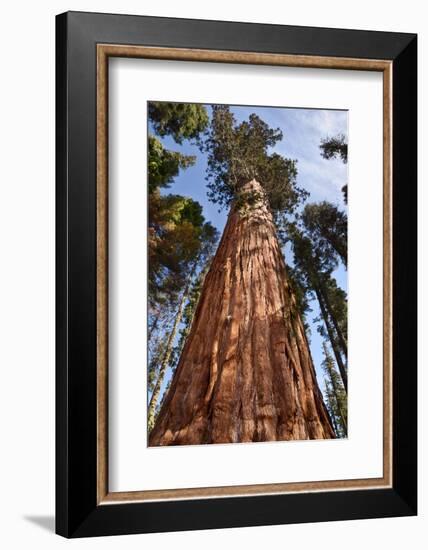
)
(245, 372)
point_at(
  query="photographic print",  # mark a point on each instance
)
(223, 245)
(247, 274)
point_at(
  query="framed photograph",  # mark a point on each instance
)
(236, 274)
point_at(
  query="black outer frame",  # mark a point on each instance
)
(77, 513)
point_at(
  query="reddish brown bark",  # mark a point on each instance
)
(245, 372)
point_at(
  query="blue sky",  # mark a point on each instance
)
(302, 131)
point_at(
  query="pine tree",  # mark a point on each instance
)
(178, 120)
(336, 395)
(315, 268)
(327, 227)
(336, 147)
(175, 221)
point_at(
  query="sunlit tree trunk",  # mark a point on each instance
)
(245, 372)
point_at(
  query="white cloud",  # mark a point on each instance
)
(303, 131)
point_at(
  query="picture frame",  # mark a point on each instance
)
(84, 44)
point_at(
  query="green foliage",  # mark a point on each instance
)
(313, 267)
(164, 165)
(319, 240)
(332, 147)
(154, 363)
(178, 120)
(336, 147)
(238, 153)
(337, 300)
(176, 228)
(176, 223)
(300, 291)
(336, 398)
(178, 237)
(310, 259)
(327, 227)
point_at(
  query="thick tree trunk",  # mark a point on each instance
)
(245, 372)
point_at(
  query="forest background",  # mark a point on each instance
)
(187, 218)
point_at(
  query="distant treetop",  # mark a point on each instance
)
(332, 147)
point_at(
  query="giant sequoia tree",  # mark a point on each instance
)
(245, 372)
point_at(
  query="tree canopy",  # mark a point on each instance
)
(336, 399)
(328, 228)
(178, 120)
(179, 238)
(313, 268)
(177, 226)
(175, 230)
(240, 152)
(336, 147)
(332, 147)
(164, 165)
